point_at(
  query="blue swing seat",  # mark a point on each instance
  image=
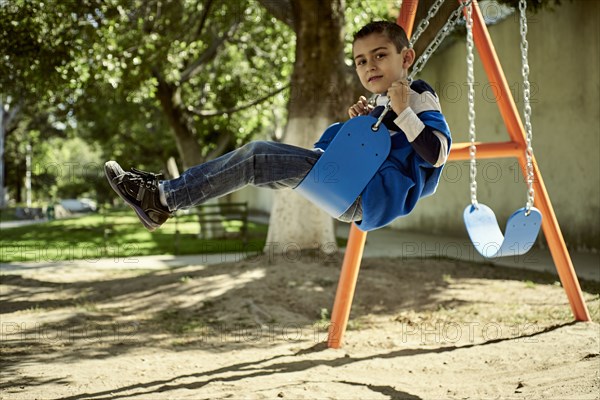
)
(350, 161)
(484, 231)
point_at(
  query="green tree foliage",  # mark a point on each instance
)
(33, 47)
(126, 74)
(77, 174)
(192, 62)
(37, 38)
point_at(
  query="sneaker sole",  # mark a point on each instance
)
(110, 172)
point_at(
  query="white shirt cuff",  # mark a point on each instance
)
(410, 124)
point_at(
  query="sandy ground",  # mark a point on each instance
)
(255, 329)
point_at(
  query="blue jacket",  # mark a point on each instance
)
(404, 177)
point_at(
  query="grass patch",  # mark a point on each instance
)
(119, 234)
(178, 322)
(8, 214)
(529, 284)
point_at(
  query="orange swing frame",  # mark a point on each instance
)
(460, 151)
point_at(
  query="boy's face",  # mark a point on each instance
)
(378, 63)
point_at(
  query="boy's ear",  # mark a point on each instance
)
(409, 57)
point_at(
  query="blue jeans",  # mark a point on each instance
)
(270, 165)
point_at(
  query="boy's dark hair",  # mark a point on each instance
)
(393, 31)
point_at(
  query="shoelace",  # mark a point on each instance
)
(143, 177)
(144, 180)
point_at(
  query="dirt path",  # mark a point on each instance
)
(425, 329)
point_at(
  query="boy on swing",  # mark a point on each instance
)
(420, 142)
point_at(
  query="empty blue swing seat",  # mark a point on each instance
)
(350, 161)
(521, 231)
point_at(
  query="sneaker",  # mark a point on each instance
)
(139, 189)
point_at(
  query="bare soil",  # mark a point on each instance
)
(255, 329)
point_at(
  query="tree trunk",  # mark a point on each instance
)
(2, 134)
(319, 89)
(9, 114)
(187, 144)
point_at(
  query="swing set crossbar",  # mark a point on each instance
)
(460, 151)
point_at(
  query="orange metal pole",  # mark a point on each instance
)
(460, 151)
(557, 245)
(509, 113)
(406, 18)
(346, 286)
(356, 241)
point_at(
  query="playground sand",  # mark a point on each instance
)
(255, 329)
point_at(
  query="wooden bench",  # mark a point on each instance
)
(29, 213)
(215, 214)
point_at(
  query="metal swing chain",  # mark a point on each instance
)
(433, 46)
(439, 38)
(423, 24)
(471, 102)
(527, 106)
(425, 21)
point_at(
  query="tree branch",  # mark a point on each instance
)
(209, 54)
(221, 145)
(213, 113)
(280, 9)
(10, 115)
(148, 25)
(204, 18)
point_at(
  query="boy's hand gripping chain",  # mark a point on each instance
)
(420, 63)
